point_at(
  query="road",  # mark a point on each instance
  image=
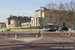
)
(49, 41)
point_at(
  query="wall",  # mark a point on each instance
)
(40, 12)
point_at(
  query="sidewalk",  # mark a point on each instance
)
(72, 30)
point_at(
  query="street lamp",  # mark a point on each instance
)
(74, 20)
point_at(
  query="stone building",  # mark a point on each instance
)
(2, 25)
(36, 21)
(22, 21)
(16, 21)
(40, 12)
(38, 17)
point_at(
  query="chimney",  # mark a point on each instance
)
(29, 16)
(23, 16)
(12, 15)
(17, 15)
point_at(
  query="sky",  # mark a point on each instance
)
(22, 7)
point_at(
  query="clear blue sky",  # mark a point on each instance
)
(22, 7)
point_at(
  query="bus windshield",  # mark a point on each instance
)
(50, 26)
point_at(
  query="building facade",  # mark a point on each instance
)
(16, 21)
(38, 17)
(23, 21)
(2, 25)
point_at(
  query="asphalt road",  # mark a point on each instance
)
(48, 41)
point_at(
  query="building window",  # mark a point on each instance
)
(27, 24)
(23, 25)
(9, 22)
(32, 21)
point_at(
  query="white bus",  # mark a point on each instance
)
(50, 27)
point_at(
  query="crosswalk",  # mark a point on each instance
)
(58, 39)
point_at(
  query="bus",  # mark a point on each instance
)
(50, 27)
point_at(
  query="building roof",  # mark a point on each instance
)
(19, 17)
(37, 10)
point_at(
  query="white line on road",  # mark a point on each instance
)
(56, 40)
(62, 40)
(69, 40)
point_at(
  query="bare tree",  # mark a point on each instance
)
(61, 6)
(63, 13)
(51, 5)
(72, 5)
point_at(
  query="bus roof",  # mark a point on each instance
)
(52, 24)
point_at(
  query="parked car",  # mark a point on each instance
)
(70, 28)
(1, 29)
(64, 28)
(4, 29)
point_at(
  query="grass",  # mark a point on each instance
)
(59, 28)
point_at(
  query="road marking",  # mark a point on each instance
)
(62, 40)
(56, 40)
(69, 40)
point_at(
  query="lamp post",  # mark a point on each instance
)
(39, 27)
(74, 20)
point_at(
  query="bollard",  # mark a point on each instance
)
(56, 31)
(65, 32)
(16, 36)
(39, 34)
(25, 29)
(8, 34)
(62, 32)
(22, 30)
(39, 31)
(2, 34)
(36, 35)
(70, 34)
